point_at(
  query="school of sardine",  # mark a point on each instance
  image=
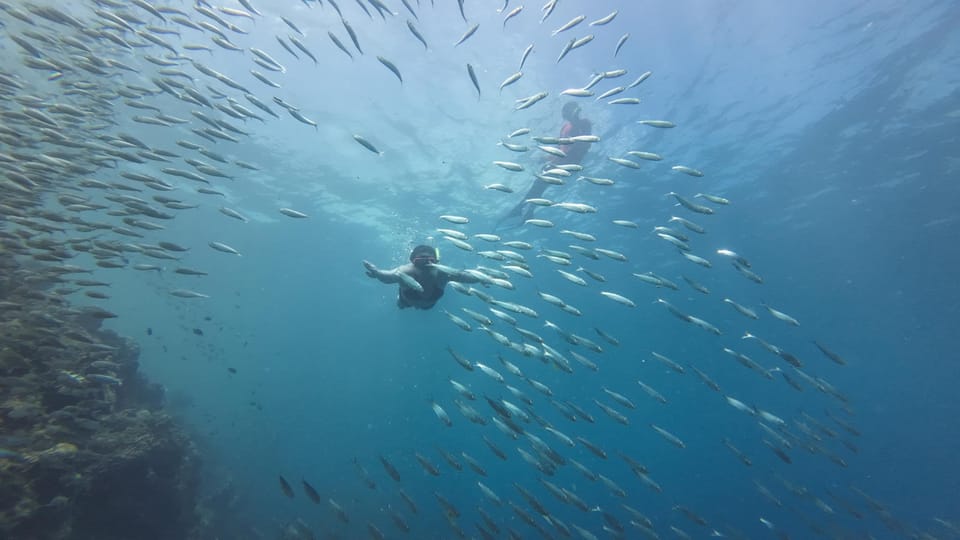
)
(78, 184)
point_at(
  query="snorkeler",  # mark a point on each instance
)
(421, 280)
(574, 152)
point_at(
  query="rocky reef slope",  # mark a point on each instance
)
(86, 451)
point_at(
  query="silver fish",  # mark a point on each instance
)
(473, 78)
(466, 35)
(416, 33)
(570, 24)
(185, 293)
(523, 57)
(336, 41)
(390, 65)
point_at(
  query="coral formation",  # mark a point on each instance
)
(86, 450)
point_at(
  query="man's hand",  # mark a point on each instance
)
(372, 270)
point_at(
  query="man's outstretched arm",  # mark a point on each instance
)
(385, 276)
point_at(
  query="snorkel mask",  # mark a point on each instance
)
(424, 255)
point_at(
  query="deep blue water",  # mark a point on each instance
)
(832, 127)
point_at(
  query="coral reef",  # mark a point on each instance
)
(86, 451)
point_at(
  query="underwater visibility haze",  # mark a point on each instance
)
(726, 308)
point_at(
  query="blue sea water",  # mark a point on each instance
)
(833, 129)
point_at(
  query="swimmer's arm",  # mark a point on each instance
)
(384, 276)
